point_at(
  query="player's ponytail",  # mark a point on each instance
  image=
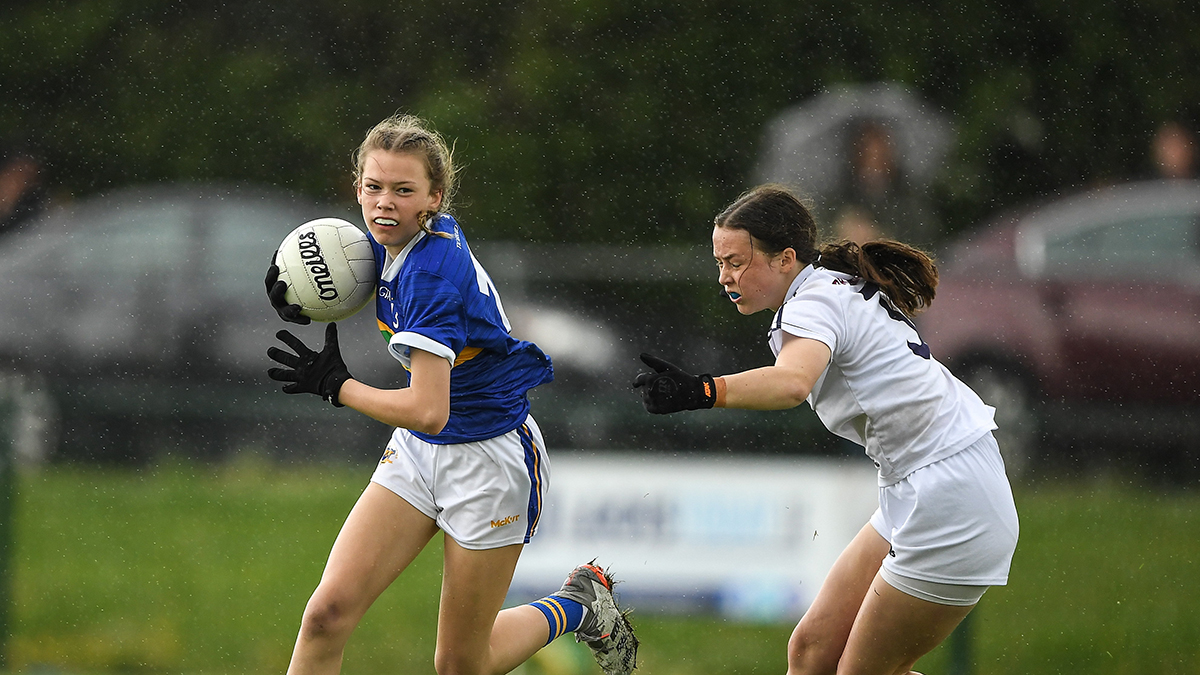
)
(907, 275)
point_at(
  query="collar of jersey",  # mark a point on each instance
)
(805, 273)
(799, 281)
(393, 269)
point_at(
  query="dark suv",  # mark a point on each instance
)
(1079, 319)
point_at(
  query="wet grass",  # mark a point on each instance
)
(193, 569)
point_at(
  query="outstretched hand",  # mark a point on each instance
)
(276, 289)
(322, 373)
(669, 389)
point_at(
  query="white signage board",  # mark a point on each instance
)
(751, 538)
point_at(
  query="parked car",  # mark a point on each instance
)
(1079, 320)
(135, 322)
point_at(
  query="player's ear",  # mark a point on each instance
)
(787, 259)
(436, 202)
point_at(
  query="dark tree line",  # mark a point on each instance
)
(583, 120)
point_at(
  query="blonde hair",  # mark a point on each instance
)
(411, 135)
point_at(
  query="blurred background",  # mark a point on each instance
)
(153, 154)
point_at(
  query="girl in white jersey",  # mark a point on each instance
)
(843, 339)
(466, 458)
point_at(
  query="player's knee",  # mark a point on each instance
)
(455, 662)
(326, 619)
(810, 656)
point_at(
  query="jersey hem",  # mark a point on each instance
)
(460, 438)
(894, 477)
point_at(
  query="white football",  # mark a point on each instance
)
(328, 267)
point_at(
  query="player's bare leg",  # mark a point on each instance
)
(382, 535)
(894, 629)
(474, 636)
(819, 639)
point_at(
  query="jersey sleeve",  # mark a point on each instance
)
(436, 319)
(814, 315)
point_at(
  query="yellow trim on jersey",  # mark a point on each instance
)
(467, 354)
(385, 329)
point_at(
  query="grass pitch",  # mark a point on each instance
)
(198, 569)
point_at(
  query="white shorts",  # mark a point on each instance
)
(484, 494)
(952, 523)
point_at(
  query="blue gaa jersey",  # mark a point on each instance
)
(436, 297)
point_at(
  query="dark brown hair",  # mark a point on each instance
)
(777, 220)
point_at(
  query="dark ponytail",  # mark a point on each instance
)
(907, 275)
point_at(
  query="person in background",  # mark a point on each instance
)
(876, 200)
(22, 190)
(855, 223)
(1173, 150)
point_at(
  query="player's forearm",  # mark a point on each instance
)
(767, 388)
(404, 408)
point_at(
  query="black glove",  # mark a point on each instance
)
(275, 292)
(668, 389)
(322, 373)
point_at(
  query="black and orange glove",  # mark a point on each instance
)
(322, 373)
(669, 389)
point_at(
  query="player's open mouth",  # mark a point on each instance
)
(733, 295)
(386, 222)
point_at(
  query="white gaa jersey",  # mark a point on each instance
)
(882, 389)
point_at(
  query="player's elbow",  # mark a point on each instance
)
(431, 422)
(791, 395)
(789, 401)
(793, 387)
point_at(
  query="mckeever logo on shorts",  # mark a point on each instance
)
(506, 521)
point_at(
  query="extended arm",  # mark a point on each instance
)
(783, 385)
(423, 406)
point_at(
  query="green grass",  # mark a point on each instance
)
(1106, 579)
(195, 569)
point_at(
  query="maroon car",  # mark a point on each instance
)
(1079, 320)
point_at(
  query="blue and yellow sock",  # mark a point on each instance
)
(563, 615)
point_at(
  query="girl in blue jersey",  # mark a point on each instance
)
(466, 457)
(946, 526)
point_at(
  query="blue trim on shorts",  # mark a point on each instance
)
(533, 464)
